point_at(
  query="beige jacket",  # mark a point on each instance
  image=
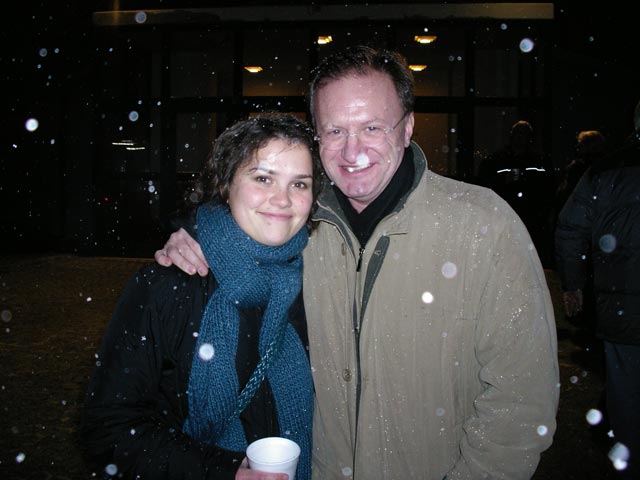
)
(438, 357)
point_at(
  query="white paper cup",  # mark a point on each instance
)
(274, 455)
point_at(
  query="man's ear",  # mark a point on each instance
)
(408, 129)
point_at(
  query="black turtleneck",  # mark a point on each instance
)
(362, 224)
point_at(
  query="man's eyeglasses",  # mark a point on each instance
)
(370, 135)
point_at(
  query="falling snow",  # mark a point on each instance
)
(607, 243)
(206, 352)
(111, 469)
(427, 297)
(32, 124)
(594, 416)
(526, 45)
(141, 17)
(449, 270)
(619, 456)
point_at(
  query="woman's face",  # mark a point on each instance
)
(270, 196)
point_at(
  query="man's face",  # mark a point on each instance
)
(362, 168)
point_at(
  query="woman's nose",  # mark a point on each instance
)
(281, 197)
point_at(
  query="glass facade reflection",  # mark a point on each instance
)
(184, 78)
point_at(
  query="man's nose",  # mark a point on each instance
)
(352, 147)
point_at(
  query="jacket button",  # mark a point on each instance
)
(346, 375)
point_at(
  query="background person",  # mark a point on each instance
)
(165, 399)
(590, 151)
(599, 230)
(431, 330)
(590, 148)
(519, 174)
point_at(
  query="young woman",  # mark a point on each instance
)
(191, 370)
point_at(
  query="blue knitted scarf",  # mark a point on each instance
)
(249, 274)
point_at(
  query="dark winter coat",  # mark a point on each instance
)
(526, 182)
(601, 224)
(136, 404)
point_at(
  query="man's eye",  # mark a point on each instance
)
(373, 129)
(335, 132)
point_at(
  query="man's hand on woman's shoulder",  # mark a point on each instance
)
(184, 252)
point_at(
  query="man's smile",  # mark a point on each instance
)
(357, 168)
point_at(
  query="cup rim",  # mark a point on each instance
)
(255, 444)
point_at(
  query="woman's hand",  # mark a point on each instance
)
(245, 473)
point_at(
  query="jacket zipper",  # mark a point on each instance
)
(357, 373)
(362, 297)
(360, 254)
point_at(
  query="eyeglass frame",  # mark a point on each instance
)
(318, 138)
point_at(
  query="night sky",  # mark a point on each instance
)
(47, 53)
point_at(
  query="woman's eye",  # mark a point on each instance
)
(263, 179)
(301, 185)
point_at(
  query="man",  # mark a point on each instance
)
(590, 149)
(431, 330)
(600, 224)
(519, 174)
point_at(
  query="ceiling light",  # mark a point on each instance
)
(253, 69)
(424, 39)
(417, 68)
(324, 39)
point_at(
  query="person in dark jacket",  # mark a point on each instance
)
(600, 224)
(589, 150)
(522, 177)
(191, 370)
